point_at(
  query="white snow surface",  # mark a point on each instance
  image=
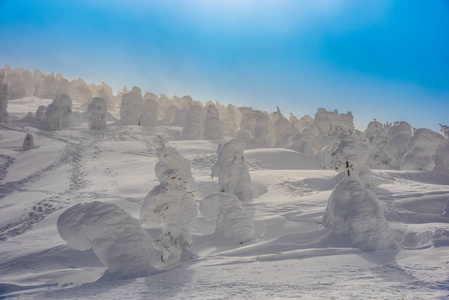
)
(292, 256)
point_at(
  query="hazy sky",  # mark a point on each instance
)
(379, 59)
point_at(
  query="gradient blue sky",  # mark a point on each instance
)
(377, 58)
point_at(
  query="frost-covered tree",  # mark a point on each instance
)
(66, 107)
(97, 110)
(16, 86)
(4, 97)
(353, 210)
(213, 129)
(233, 222)
(171, 204)
(53, 116)
(397, 140)
(232, 171)
(301, 123)
(40, 113)
(193, 127)
(445, 130)
(131, 107)
(149, 113)
(169, 115)
(305, 141)
(114, 235)
(28, 142)
(376, 136)
(243, 135)
(421, 150)
(283, 130)
(261, 132)
(230, 121)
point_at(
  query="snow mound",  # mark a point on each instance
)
(233, 222)
(354, 211)
(28, 142)
(114, 235)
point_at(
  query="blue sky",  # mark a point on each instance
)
(377, 58)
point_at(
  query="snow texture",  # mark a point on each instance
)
(193, 127)
(131, 107)
(354, 211)
(114, 235)
(233, 222)
(232, 171)
(97, 110)
(28, 142)
(213, 129)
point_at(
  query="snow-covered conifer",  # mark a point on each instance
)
(421, 150)
(4, 97)
(230, 123)
(149, 113)
(131, 107)
(114, 235)
(171, 204)
(376, 136)
(397, 140)
(353, 210)
(53, 115)
(243, 135)
(97, 110)
(445, 130)
(213, 129)
(28, 142)
(262, 137)
(66, 107)
(232, 171)
(283, 130)
(40, 113)
(193, 126)
(233, 222)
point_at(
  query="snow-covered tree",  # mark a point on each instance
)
(445, 130)
(150, 113)
(232, 171)
(283, 130)
(421, 150)
(131, 107)
(58, 114)
(261, 132)
(171, 204)
(97, 110)
(376, 136)
(66, 107)
(16, 86)
(4, 97)
(40, 113)
(28, 142)
(233, 222)
(169, 115)
(213, 129)
(115, 236)
(193, 126)
(230, 122)
(397, 140)
(353, 210)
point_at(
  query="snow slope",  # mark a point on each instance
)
(293, 254)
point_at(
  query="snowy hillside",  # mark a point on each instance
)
(293, 254)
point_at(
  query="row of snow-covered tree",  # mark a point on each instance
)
(128, 250)
(388, 146)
